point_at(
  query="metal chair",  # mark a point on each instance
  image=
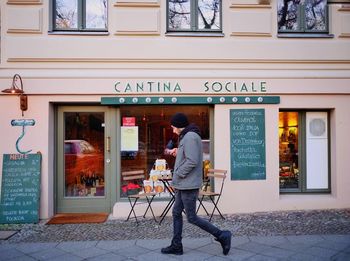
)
(206, 192)
(138, 175)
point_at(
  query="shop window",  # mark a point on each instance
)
(303, 151)
(302, 16)
(79, 15)
(194, 16)
(145, 132)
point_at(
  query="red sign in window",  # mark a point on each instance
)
(129, 121)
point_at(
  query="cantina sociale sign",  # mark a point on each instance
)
(229, 86)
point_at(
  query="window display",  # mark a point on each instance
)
(154, 137)
(288, 150)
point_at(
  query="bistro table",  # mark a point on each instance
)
(166, 181)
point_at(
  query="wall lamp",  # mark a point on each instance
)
(14, 89)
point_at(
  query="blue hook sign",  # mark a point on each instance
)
(23, 123)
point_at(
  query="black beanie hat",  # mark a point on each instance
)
(179, 120)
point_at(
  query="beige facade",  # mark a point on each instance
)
(79, 68)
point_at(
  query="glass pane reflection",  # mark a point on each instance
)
(180, 14)
(209, 16)
(66, 14)
(315, 15)
(96, 14)
(84, 154)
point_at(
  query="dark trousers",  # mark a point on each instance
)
(186, 199)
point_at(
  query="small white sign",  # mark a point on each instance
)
(129, 138)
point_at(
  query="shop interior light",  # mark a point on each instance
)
(14, 89)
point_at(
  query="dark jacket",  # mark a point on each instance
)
(188, 168)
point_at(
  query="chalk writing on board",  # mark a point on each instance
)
(20, 188)
(247, 144)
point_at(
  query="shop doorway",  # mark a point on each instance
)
(83, 177)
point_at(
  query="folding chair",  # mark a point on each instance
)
(138, 175)
(206, 191)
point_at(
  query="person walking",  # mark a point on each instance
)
(187, 179)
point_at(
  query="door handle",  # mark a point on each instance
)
(108, 144)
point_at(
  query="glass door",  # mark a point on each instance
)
(83, 180)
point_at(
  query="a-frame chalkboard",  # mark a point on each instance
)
(20, 189)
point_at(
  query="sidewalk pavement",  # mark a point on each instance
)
(303, 247)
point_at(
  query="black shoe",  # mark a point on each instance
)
(225, 241)
(175, 250)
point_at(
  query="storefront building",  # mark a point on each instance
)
(267, 84)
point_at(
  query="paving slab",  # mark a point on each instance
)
(213, 249)
(152, 244)
(240, 240)
(6, 234)
(297, 247)
(263, 258)
(306, 239)
(48, 254)
(66, 257)
(254, 247)
(155, 256)
(338, 238)
(278, 253)
(341, 257)
(90, 252)
(28, 248)
(194, 244)
(193, 255)
(270, 241)
(239, 254)
(73, 246)
(321, 252)
(10, 254)
(133, 251)
(340, 245)
(115, 245)
(22, 258)
(107, 257)
(306, 257)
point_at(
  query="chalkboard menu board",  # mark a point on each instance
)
(247, 144)
(20, 189)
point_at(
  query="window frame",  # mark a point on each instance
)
(302, 20)
(302, 157)
(338, 1)
(194, 20)
(81, 20)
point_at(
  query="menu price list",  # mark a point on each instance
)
(247, 144)
(20, 189)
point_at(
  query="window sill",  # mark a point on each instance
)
(304, 35)
(194, 34)
(307, 192)
(76, 33)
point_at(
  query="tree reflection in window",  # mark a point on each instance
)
(179, 14)
(80, 14)
(194, 15)
(302, 16)
(208, 14)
